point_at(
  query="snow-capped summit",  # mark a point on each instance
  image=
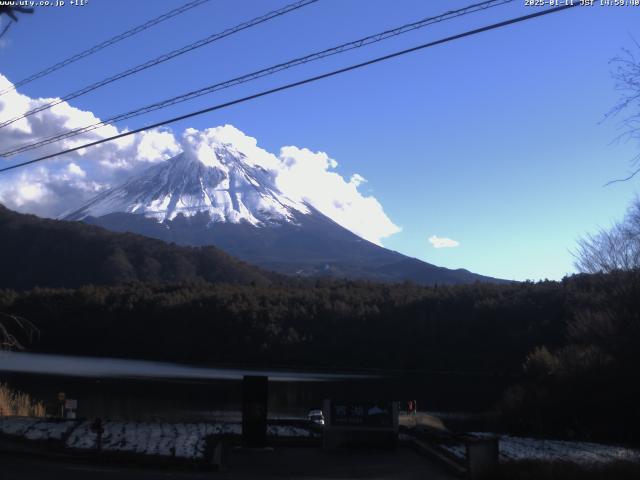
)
(216, 179)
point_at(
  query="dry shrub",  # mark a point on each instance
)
(15, 403)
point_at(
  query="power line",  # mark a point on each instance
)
(262, 73)
(105, 44)
(302, 82)
(164, 58)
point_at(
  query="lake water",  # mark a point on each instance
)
(125, 389)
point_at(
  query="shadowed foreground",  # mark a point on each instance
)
(310, 463)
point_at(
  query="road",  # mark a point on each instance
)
(281, 463)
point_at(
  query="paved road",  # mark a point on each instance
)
(283, 463)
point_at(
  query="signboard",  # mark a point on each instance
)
(362, 414)
(71, 404)
(368, 423)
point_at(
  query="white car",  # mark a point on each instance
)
(316, 417)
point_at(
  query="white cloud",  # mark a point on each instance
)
(442, 242)
(155, 146)
(41, 191)
(306, 176)
(61, 184)
(74, 169)
(309, 176)
(51, 187)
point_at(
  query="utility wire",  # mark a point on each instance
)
(163, 58)
(302, 82)
(262, 73)
(105, 44)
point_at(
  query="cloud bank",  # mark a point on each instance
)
(442, 242)
(59, 185)
(51, 187)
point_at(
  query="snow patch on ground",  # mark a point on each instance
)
(49, 431)
(514, 449)
(82, 437)
(35, 428)
(16, 425)
(179, 440)
(287, 431)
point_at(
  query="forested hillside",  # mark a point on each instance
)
(38, 252)
(570, 346)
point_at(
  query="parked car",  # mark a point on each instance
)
(316, 418)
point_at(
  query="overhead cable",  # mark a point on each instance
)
(96, 48)
(306, 81)
(361, 42)
(161, 59)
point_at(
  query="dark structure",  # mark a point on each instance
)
(254, 411)
(368, 424)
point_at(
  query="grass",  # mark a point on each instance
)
(536, 470)
(421, 419)
(15, 403)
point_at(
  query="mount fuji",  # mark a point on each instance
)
(214, 194)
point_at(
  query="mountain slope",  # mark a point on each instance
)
(52, 253)
(312, 246)
(215, 195)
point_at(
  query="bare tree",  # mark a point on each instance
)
(626, 75)
(616, 248)
(14, 331)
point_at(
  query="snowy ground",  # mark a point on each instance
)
(181, 440)
(584, 453)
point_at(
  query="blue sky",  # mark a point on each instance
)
(495, 141)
